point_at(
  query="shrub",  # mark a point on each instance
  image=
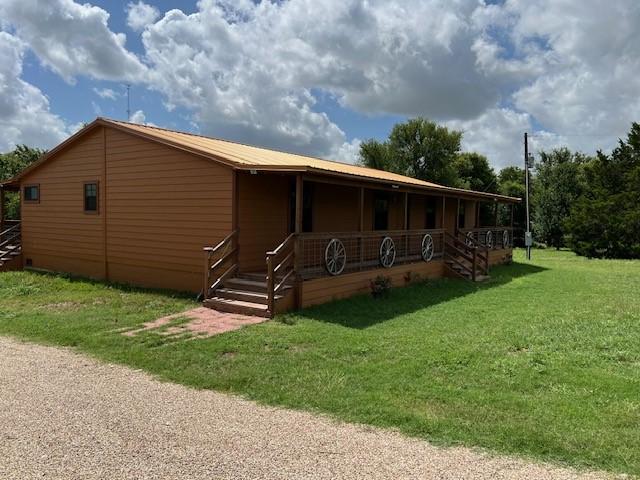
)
(380, 286)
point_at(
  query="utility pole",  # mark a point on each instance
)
(528, 239)
(128, 102)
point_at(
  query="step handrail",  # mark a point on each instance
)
(286, 267)
(10, 235)
(483, 251)
(214, 258)
(469, 253)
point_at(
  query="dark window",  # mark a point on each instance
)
(431, 213)
(90, 197)
(32, 193)
(461, 214)
(381, 211)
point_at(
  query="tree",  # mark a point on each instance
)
(475, 173)
(605, 219)
(559, 182)
(417, 148)
(11, 164)
(512, 184)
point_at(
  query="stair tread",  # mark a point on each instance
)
(244, 281)
(250, 293)
(239, 303)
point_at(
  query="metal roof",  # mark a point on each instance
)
(247, 157)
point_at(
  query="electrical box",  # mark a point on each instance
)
(528, 239)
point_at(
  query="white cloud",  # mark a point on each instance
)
(140, 14)
(24, 110)
(250, 71)
(139, 117)
(105, 93)
(72, 39)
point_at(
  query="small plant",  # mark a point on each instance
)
(380, 286)
(411, 277)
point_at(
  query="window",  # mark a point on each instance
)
(381, 211)
(461, 213)
(91, 197)
(430, 209)
(32, 193)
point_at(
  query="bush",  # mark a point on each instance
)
(380, 286)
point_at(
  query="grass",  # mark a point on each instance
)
(541, 361)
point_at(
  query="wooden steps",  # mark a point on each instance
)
(10, 249)
(244, 294)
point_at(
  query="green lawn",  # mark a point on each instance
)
(543, 360)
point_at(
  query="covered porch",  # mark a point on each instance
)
(303, 233)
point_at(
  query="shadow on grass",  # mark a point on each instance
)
(123, 287)
(364, 311)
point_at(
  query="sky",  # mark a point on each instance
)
(317, 77)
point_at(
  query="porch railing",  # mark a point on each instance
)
(490, 237)
(280, 269)
(11, 236)
(362, 250)
(220, 262)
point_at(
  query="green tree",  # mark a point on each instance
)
(475, 173)
(512, 184)
(417, 148)
(559, 182)
(605, 219)
(11, 164)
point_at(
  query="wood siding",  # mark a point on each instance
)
(335, 208)
(263, 216)
(500, 256)
(56, 233)
(158, 207)
(327, 289)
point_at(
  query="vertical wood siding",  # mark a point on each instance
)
(56, 233)
(335, 208)
(263, 216)
(163, 206)
(159, 205)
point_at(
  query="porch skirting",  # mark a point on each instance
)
(326, 289)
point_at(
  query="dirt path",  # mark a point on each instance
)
(63, 415)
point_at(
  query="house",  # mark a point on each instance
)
(253, 230)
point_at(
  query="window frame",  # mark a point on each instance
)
(24, 196)
(84, 197)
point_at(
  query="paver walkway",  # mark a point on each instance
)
(66, 416)
(200, 321)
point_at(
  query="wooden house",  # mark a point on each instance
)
(253, 230)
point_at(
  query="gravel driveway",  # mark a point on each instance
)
(63, 415)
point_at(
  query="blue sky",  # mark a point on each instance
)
(319, 76)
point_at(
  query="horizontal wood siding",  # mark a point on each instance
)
(499, 256)
(326, 289)
(263, 216)
(162, 207)
(56, 233)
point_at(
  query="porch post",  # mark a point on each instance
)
(512, 216)
(299, 190)
(296, 244)
(477, 220)
(442, 222)
(457, 218)
(361, 224)
(1, 208)
(406, 210)
(495, 214)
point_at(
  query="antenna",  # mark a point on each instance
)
(128, 102)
